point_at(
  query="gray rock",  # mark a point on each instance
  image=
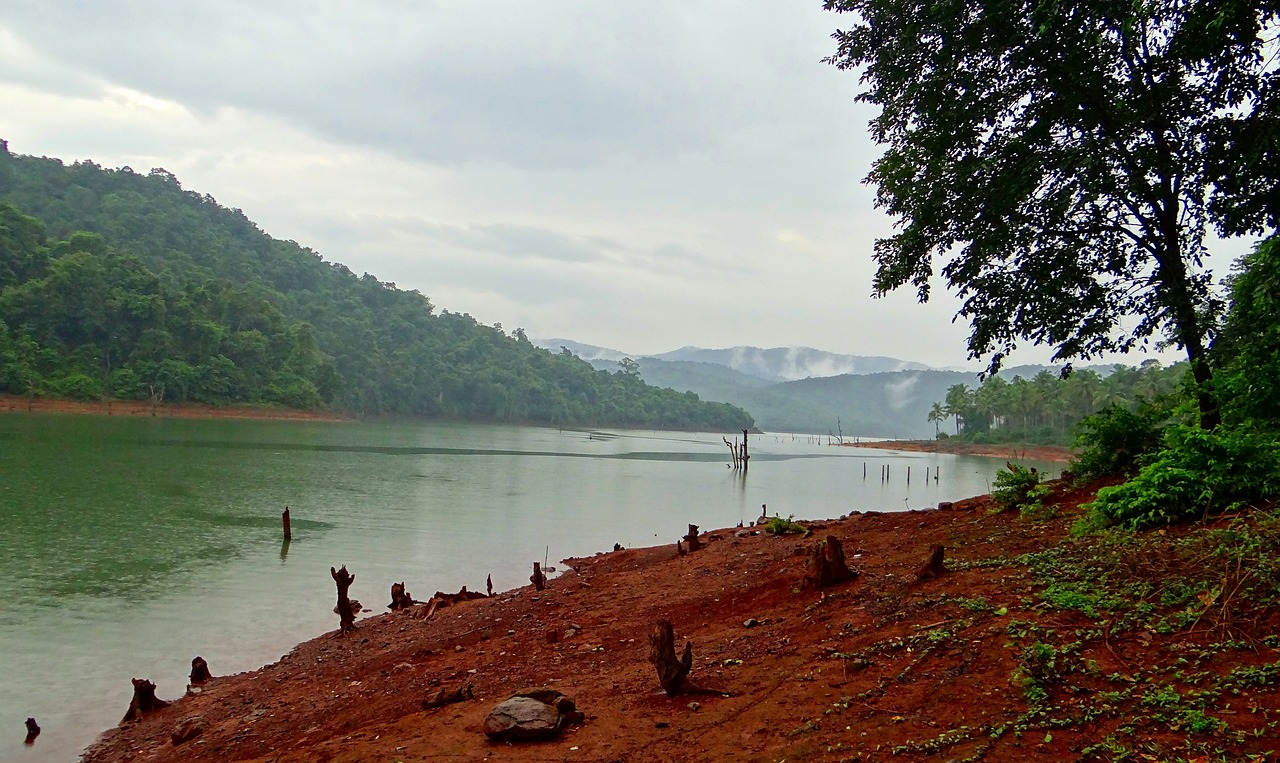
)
(523, 719)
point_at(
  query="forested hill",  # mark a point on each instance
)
(116, 284)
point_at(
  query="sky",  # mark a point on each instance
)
(639, 177)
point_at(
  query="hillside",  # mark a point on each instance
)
(119, 285)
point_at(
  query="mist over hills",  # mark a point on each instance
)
(801, 389)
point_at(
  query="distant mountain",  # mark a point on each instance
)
(588, 352)
(792, 363)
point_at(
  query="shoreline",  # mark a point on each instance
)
(19, 404)
(894, 664)
(1016, 451)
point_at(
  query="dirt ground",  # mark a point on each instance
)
(959, 447)
(881, 667)
(18, 404)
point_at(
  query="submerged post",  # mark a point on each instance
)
(745, 458)
(284, 518)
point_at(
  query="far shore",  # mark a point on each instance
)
(18, 404)
(1016, 451)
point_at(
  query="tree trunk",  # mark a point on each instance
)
(346, 613)
(662, 653)
(691, 540)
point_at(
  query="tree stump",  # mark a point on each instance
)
(144, 701)
(934, 566)
(446, 697)
(400, 598)
(537, 578)
(199, 672)
(346, 612)
(33, 731)
(488, 584)
(662, 653)
(826, 564)
(692, 539)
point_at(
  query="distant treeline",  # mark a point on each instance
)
(1046, 408)
(116, 284)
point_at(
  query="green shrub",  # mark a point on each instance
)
(779, 526)
(1017, 487)
(1198, 473)
(76, 386)
(1114, 441)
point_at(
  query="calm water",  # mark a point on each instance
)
(130, 545)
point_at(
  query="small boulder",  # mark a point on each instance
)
(523, 719)
(186, 730)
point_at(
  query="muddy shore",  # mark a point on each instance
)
(18, 404)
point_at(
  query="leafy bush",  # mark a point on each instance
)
(1115, 440)
(1197, 473)
(76, 386)
(1017, 488)
(780, 526)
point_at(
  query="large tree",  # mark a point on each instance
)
(1065, 160)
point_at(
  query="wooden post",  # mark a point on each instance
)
(284, 518)
(745, 458)
(908, 475)
(346, 612)
(537, 578)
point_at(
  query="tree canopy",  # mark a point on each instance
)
(1066, 159)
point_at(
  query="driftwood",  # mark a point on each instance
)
(199, 672)
(826, 564)
(346, 612)
(33, 731)
(538, 579)
(144, 701)
(934, 566)
(673, 673)
(446, 697)
(692, 539)
(400, 598)
(442, 600)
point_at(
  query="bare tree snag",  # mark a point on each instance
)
(934, 566)
(144, 701)
(673, 674)
(826, 564)
(537, 578)
(346, 612)
(199, 672)
(692, 539)
(33, 731)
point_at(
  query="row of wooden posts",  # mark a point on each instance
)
(885, 473)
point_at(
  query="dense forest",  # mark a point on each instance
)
(121, 285)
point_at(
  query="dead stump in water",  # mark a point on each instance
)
(934, 566)
(826, 564)
(673, 674)
(33, 731)
(346, 612)
(144, 701)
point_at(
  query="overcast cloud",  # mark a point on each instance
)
(638, 177)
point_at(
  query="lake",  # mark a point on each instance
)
(130, 545)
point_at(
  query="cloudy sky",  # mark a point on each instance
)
(641, 177)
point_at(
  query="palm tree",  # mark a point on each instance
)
(936, 414)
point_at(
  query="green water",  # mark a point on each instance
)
(130, 545)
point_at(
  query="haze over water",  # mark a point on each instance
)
(130, 545)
